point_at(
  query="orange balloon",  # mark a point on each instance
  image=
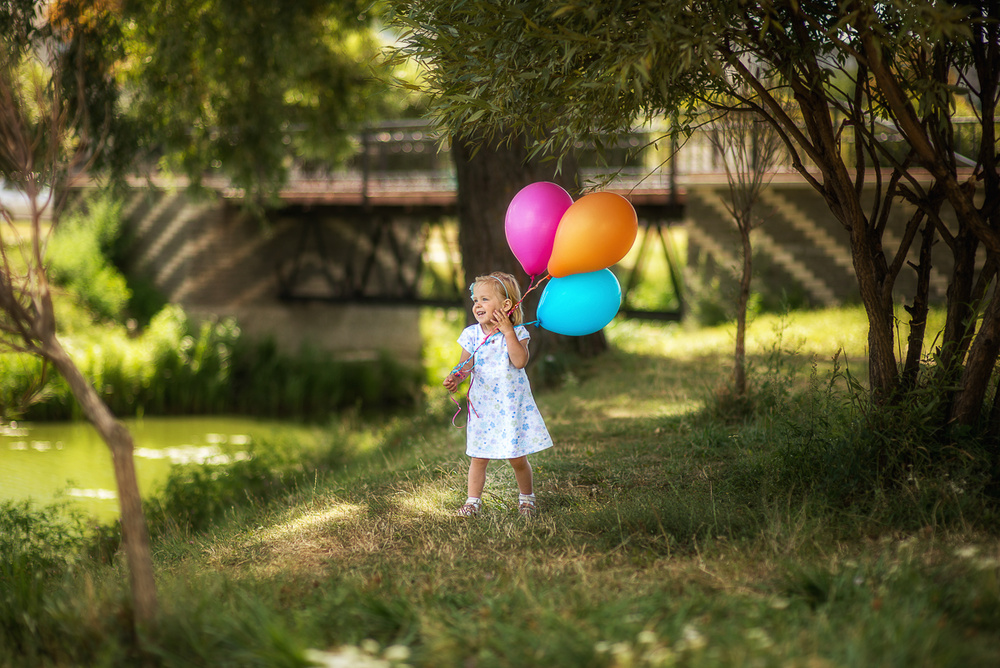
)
(596, 231)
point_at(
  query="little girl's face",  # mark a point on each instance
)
(486, 302)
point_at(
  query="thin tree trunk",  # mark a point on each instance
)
(882, 370)
(918, 310)
(957, 329)
(869, 269)
(135, 535)
(994, 424)
(740, 363)
(979, 366)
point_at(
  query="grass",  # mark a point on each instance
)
(667, 537)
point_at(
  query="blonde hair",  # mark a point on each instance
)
(505, 286)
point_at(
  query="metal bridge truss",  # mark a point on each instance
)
(400, 257)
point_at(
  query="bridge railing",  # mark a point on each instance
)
(409, 155)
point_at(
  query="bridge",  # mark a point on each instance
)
(345, 245)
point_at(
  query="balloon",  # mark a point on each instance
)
(594, 233)
(532, 218)
(579, 304)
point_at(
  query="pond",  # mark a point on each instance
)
(68, 462)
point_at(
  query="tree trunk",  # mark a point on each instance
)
(487, 181)
(739, 362)
(957, 329)
(993, 432)
(979, 366)
(135, 535)
(918, 309)
(882, 370)
(870, 271)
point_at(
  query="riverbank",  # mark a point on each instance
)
(66, 462)
(675, 529)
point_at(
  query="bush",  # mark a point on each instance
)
(889, 462)
(77, 257)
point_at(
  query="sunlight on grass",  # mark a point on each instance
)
(425, 500)
(310, 522)
(821, 333)
(630, 407)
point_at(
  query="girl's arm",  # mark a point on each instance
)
(452, 380)
(517, 350)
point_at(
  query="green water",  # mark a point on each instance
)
(67, 461)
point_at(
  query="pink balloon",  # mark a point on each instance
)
(532, 218)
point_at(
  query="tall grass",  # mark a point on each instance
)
(41, 554)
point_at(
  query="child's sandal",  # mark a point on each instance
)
(527, 509)
(468, 510)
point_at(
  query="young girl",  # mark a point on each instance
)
(504, 422)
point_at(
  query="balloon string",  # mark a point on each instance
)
(531, 286)
(472, 409)
(460, 371)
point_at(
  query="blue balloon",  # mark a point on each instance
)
(579, 304)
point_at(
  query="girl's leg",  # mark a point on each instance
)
(477, 477)
(525, 484)
(522, 473)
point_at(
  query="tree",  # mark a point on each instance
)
(489, 173)
(47, 138)
(849, 71)
(749, 150)
(248, 90)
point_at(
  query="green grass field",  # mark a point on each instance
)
(668, 535)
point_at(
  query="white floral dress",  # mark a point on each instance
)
(504, 421)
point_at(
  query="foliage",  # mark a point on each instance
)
(247, 89)
(72, 43)
(180, 367)
(78, 254)
(483, 61)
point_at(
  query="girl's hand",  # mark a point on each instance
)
(451, 382)
(502, 321)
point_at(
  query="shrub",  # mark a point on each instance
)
(77, 257)
(889, 461)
